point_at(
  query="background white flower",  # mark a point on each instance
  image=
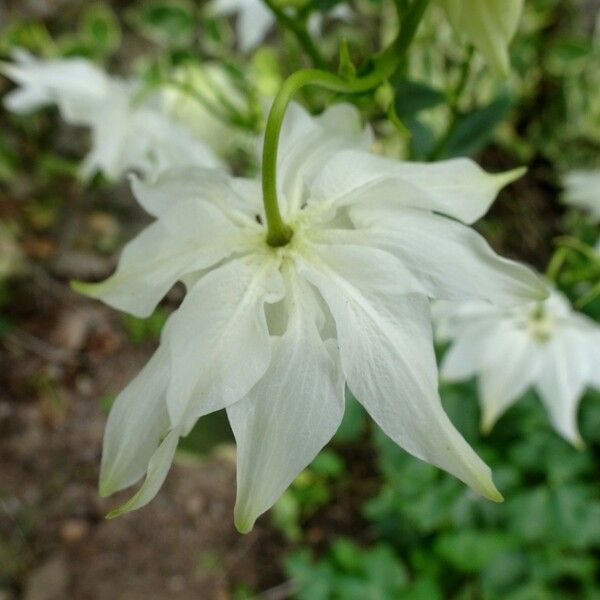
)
(544, 345)
(582, 190)
(272, 334)
(130, 130)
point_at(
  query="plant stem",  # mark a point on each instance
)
(298, 28)
(381, 68)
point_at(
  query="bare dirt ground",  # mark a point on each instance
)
(54, 540)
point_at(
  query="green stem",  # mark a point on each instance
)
(298, 28)
(382, 67)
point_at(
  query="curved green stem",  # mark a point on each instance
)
(381, 68)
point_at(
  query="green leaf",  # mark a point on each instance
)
(472, 131)
(166, 22)
(100, 28)
(411, 97)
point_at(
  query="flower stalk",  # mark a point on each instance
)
(380, 69)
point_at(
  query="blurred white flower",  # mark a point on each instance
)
(272, 334)
(582, 190)
(255, 19)
(544, 345)
(489, 25)
(129, 130)
(212, 83)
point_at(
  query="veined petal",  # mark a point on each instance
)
(561, 382)
(290, 414)
(451, 260)
(192, 236)
(511, 362)
(158, 468)
(218, 339)
(137, 422)
(239, 199)
(458, 188)
(307, 142)
(387, 356)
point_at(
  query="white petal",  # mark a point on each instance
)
(458, 188)
(307, 142)
(218, 339)
(451, 260)
(254, 22)
(387, 355)
(511, 363)
(289, 415)
(239, 199)
(158, 468)
(464, 357)
(561, 382)
(137, 422)
(192, 236)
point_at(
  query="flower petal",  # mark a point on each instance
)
(561, 382)
(137, 422)
(463, 359)
(192, 236)
(239, 199)
(218, 339)
(307, 142)
(289, 415)
(158, 468)
(254, 21)
(458, 188)
(511, 362)
(452, 261)
(387, 356)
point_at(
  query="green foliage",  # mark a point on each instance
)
(432, 533)
(141, 331)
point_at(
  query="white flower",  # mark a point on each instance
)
(490, 26)
(272, 334)
(544, 345)
(128, 132)
(75, 85)
(255, 19)
(582, 190)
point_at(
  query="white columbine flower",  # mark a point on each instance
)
(272, 334)
(544, 345)
(490, 26)
(582, 190)
(129, 130)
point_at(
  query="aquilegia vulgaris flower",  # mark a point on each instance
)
(273, 334)
(130, 129)
(545, 345)
(582, 190)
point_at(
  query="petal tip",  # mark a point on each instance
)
(244, 525)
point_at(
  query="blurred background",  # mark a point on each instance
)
(365, 521)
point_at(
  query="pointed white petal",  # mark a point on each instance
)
(192, 236)
(289, 415)
(451, 260)
(511, 363)
(387, 356)
(561, 382)
(158, 468)
(458, 188)
(137, 422)
(218, 339)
